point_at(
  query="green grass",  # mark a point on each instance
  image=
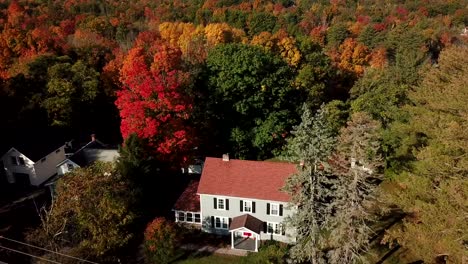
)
(210, 259)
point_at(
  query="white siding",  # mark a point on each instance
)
(66, 166)
(46, 167)
(11, 168)
(207, 209)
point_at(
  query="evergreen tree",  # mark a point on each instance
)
(434, 190)
(357, 164)
(311, 188)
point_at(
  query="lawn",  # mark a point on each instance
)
(209, 259)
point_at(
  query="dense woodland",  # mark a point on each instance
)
(370, 95)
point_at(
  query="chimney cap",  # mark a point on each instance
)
(226, 157)
(93, 137)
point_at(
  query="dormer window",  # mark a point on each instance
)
(21, 161)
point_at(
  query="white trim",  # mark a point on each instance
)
(177, 220)
(271, 209)
(276, 226)
(245, 228)
(250, 206)
(243, 198)
(224, 204)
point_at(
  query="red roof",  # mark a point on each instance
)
(189, 200)
(245, 178)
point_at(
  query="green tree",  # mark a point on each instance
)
(434, 191)
(358, 165)
(70, 88)
(312, 188)
(336, 34)
(250, 97)
(91, 214)
(260, 22)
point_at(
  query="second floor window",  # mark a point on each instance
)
(274, 209)
(14, 161)
(247, 206)
(221, 203)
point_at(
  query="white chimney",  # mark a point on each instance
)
(225, 157)
(93, 137)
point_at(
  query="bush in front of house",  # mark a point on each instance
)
(161, 241)
(272, 252)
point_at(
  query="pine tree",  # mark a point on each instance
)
(311, 188)
(357, 164)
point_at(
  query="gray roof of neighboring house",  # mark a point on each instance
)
(94, 151)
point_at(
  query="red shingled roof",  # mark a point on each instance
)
(189, 200)
(245, 178)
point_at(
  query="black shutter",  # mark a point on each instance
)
(253, 207)
(268, 208)
(241, 206)
(215, 203)
(212, 222)
(283, 230)
(227, 204)
(281, 210)
(265, 227)
(230, 221)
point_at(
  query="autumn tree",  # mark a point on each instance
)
(312, 188)
(152, 103)
(161, 241)
(90, 216)
(434, 190)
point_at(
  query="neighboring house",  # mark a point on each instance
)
(93, 151)
(241, 198)
(22, 170)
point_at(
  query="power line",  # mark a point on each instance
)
(58, 253)
(24, 253)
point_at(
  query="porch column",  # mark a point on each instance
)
(256, 242)
(232, 239)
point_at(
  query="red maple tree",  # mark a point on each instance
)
(152, 102)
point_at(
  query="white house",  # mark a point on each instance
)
(93, 151)
(23, 170)
(240, 198)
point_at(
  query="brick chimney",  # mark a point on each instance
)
(93, 137)
(225, 157)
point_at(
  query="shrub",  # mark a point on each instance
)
(161, 241)
(271, 253)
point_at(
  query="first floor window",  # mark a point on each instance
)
(197, 218)
(189, 217)
(181, 216)
(274, 228)
(221, 222)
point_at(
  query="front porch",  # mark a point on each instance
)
(245, 232)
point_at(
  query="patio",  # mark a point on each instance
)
(245, 244)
